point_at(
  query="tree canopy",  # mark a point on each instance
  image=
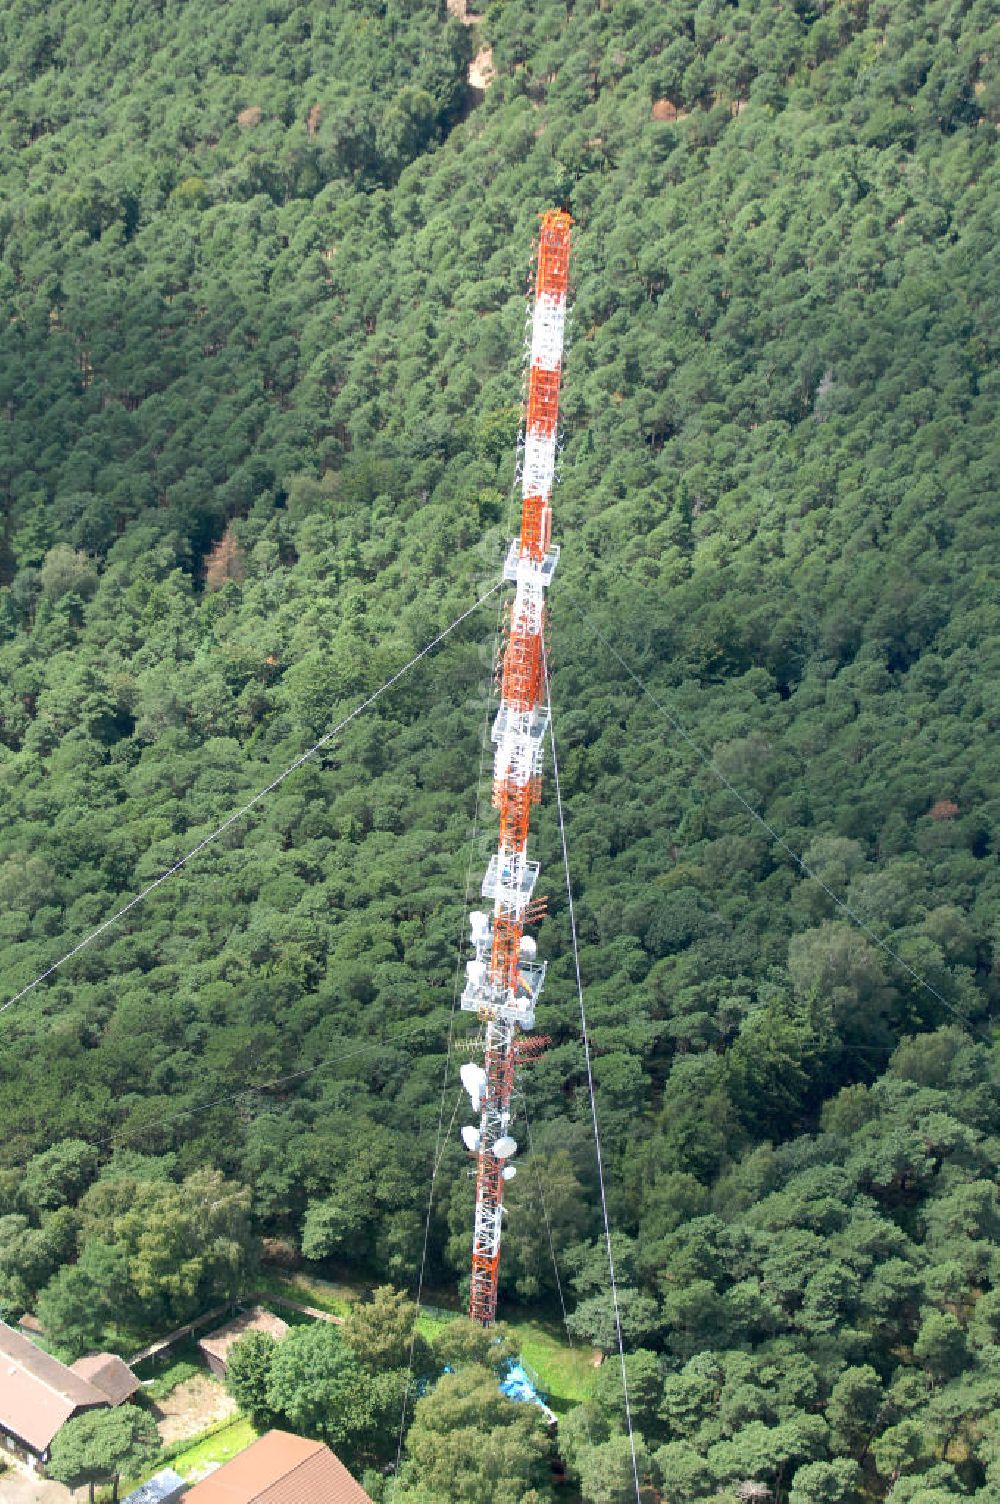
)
(262, 273)
(100, 1445)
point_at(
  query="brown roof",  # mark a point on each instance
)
(280, 1469)
(109, 1374)
(38, 1394)
(257, 1319)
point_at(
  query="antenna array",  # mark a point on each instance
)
(504, 978)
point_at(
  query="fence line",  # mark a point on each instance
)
(256, 1297)
(163, 1343)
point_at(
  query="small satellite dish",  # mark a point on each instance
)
(505, 1147)
(509, 1171)
(529, 947)
(470, 1138)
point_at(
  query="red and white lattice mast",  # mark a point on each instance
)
(504, 979)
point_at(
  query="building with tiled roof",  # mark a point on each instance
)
(215, 1347)
(280, 1469)
(38, 1395)
(111, 1375)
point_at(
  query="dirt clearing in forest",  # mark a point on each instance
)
(192, 1407)
(460, 10)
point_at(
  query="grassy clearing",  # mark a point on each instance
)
(217, 1448)
(333, 1297)
(216, 1445)
(429, 1323)
(565, 1373)
(287, 1314)
(162, 1374)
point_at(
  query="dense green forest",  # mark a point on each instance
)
(262, 275)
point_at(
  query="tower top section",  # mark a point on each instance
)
(552, 277)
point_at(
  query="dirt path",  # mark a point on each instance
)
(192, 1407)
(18, 1488)
(481, 70)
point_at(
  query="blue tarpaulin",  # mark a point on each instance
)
(517, 1386)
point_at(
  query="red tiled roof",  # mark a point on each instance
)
(280, 1469)
(257, 1319)
(109, 1374)
(38, 1394)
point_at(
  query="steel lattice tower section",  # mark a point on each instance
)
(504, 979)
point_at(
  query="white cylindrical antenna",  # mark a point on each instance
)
(473, 1078)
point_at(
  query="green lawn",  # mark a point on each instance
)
(308, 1290)
(217, 1448)
(429, 1323)
(565, 1373)
(161, 1375)
(221, 1443)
